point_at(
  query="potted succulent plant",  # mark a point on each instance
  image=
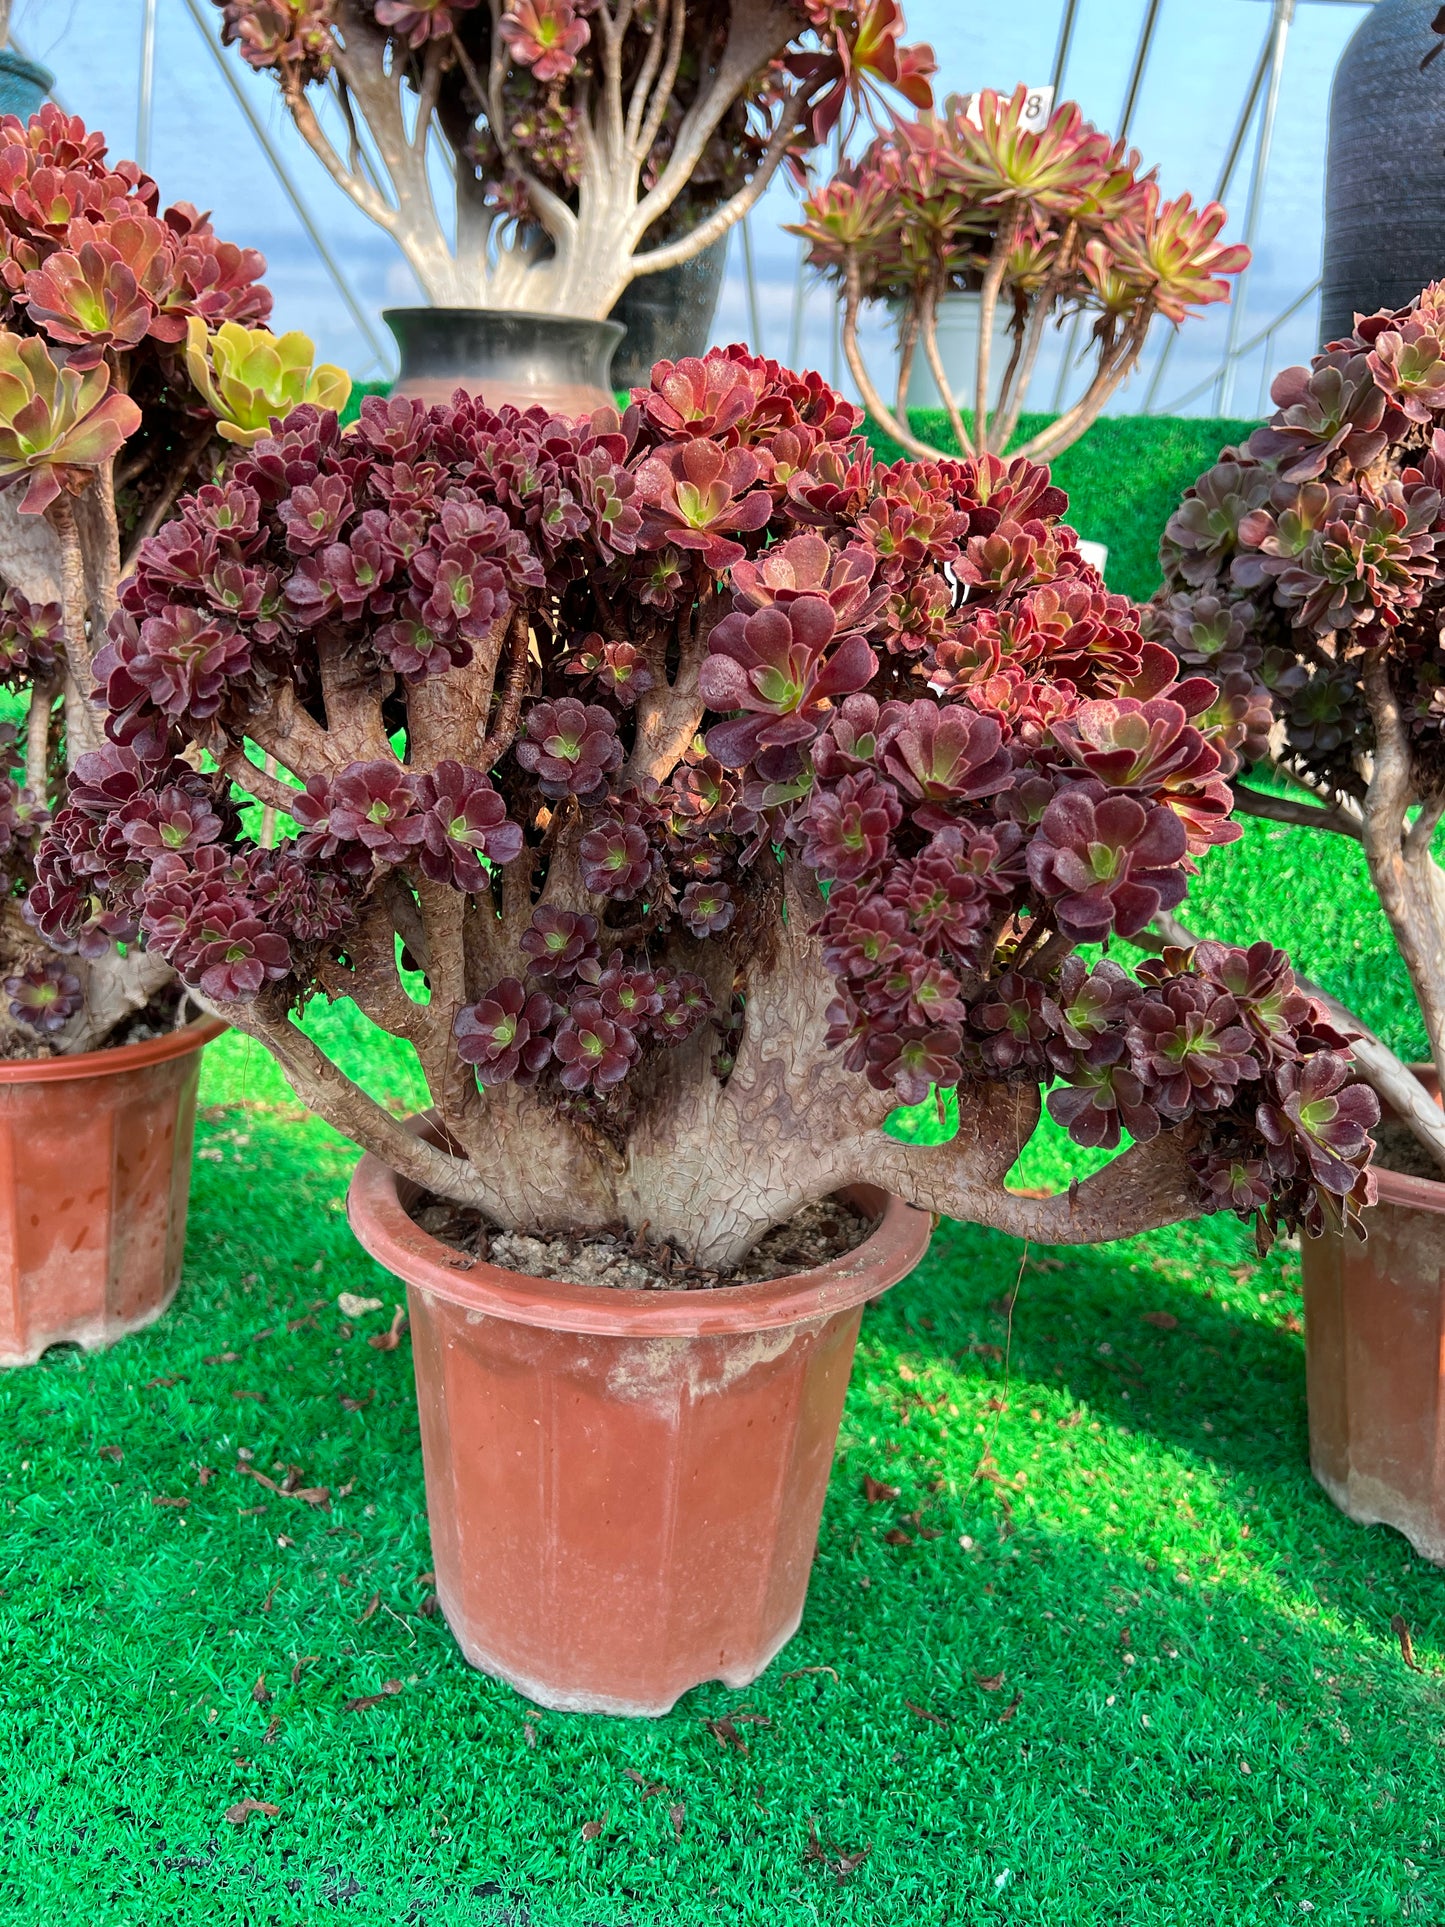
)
(115, 396)
(1041, 222)
(1303, 574)
(588, 142)
(689, 790)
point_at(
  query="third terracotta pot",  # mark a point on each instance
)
(624, 1487)
(1375, 1363)
(95, 1170)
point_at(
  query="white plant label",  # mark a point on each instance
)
(1037, 108)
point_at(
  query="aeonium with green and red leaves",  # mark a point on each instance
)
(670, 944)
(129, 364)
(1042, 217)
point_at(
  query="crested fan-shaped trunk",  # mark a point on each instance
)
(712, 1165)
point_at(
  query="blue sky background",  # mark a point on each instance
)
(1203, 56)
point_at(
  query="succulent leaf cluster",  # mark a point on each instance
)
(903, 679)
(104, 295)
(1316, 549)
(1057, 219)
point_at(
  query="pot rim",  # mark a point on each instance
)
(530, 315)
(1398, 1187)
(380, 1222)
(111, 1060)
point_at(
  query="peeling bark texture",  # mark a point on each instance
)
(478, 260)
(83, 731)
(29, 551)
(71, 556)
(1407, 879)
(1144, 1188)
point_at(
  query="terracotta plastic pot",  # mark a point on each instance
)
(1375, 1360)
(95, 1167)
(624, 1487)
(504, 356)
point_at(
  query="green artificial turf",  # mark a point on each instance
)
(1131, 1666)
(1109, 1655)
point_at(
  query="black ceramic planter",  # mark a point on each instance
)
(668, 315)
(1385, 173)
(505, 356)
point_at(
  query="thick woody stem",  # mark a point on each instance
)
(1410, 886)
(1116, 366)
(907, 348)
(105, 563)
(758, 31)
(670, 713)
(353, 185)
(82, 724)
(929, 322)
(1284, 809)
(674, 15)
(262, 784)
(1145, 1188)
(1021, 367)
(297, 741)
(1000, 428)
(39, 719)
(502, 733)
(652, 59)
(987, 308)
(332, 1095)
(895, 425)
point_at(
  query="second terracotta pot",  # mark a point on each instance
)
(95, 1171)
(1375, 1363)
(624, 1487)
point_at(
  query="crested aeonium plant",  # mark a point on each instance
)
(585, 142)
(1303, 575)
(726, 788)
(131, 360)
(1043, 223)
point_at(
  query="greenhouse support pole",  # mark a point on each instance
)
(1279, 34)
(750, 277)
(145, 98)
(1131, 98)
(1226, 175)
(1061, 52)
(279, 169)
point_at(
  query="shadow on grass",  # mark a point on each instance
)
(1211, 1702)
(1040, 1729)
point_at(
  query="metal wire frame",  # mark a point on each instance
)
(1279, 38)
(1131, 101)
(1221, 188)
(1265, 334)
(145, 102)
(279, 168)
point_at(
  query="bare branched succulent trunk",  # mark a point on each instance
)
(1408, 882)
(69, 556)
(480, 260)
(711, 1165)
